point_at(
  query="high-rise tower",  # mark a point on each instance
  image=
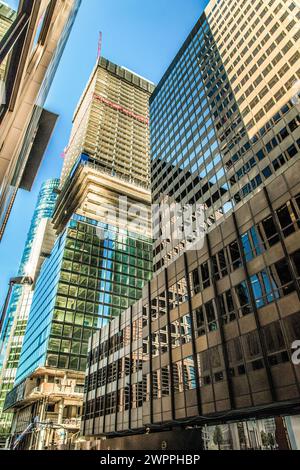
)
(32, 48)
(211, 339)
(225, 115)
(103, 255)
(111, 124)
(38, 246)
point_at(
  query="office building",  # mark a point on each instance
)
(224, 117)
(215, 346)
(102, 257)
(32, 48)
(38, 246)
(211, 339)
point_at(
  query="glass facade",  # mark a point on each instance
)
(215, 325)
(204, 148)
(86, 282)
(16, 317)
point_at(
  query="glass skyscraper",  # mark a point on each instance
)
(225, 116)
(102, 259)
(17, 313)
(84, 284)
(98, 267)
(211, 339)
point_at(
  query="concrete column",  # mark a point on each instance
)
(61, 407)
(233, 429)
(246, 434)
(41, 434)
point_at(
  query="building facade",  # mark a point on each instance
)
(225, 116)
(32, 59)
(111, 124)
(7, 17)
(211, 340)
(206, 344)
(39, 243)
(103, 255)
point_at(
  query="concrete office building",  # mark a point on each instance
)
(32, 48)
(211, 340)
(101, 260)
(38, 246)
(111, 124)
(221, 348)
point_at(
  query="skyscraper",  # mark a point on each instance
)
(216, 324)
(38, 245)
(32, 59)
(111, 124)
(102, 258)
(233, 122)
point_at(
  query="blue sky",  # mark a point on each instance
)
(141, 35)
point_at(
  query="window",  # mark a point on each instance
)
(270, 231)
(243, 298)
(235, 255)
(285, 219)
(284, 275)
(205, 275)
(257, 290)
(292, 327)
(195, 281)
(177, 376)
(247, 246)
(199, 321)
(211, 316)
(252, 345)
(227, 307)
(189, 373)
(273, 337)
(296, 261)
(165, 381)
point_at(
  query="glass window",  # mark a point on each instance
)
(257, 240)
(235, 255)
(54, 344)
(195, 281)
(285, 220)
(199, 321)
(247, 246)
(243, 298)
(292, 327)
(296, 261)
(257, 291)
(270, 231)
(284, 274)
(205, 275)
(273, 337)
(189, 373)
(211, 316)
